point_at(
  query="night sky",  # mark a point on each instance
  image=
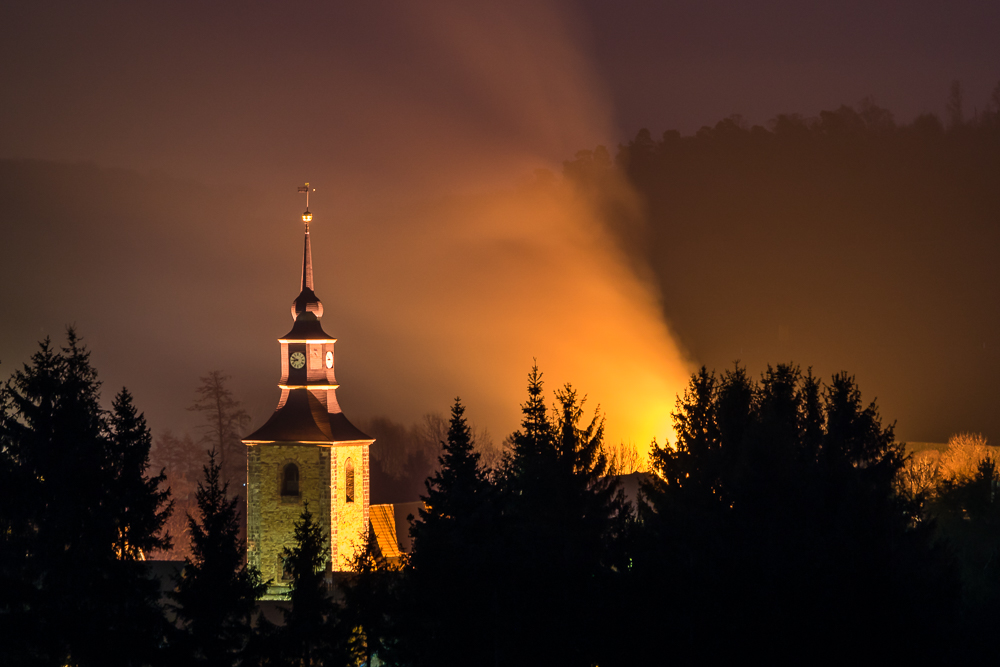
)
(150, 154)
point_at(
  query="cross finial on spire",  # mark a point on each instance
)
(307, 270)
(307, 216)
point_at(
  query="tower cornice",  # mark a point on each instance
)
(313, 385)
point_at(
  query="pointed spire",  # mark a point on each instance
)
(307, 263)
(307, 301)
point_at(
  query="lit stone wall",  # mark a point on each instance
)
(349, 520)
(253, 502)
(271, 517)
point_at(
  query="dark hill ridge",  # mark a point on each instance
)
(847, 240)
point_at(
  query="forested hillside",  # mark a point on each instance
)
(848, 238)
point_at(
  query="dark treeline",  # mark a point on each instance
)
(781, 524)
(838, 227)
(852, 166)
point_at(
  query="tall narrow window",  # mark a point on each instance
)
(349, 481)
(290, 480)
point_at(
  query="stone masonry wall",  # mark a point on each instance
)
(275, 515)
(351, 518)
(271, 517)
(253, 503)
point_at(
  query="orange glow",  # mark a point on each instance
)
(523, 275)
(449, 279)
(464, 288)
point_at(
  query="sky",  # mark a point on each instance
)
(151, 153)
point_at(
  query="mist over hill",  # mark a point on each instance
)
(848, 241)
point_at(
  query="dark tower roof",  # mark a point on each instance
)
(304, 419)
(307, 327)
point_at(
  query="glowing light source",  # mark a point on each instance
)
(307, 216)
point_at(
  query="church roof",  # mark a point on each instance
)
(390, 524)
(304, 419)
(307, 327)
(383, 522)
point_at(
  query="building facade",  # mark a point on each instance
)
(307, 453)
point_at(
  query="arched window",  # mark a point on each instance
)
(290, 480)
(349, 481)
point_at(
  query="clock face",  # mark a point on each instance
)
(329, 359)
(298, 360)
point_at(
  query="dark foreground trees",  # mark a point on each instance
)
(515, 571)
(562, 520)
(312, 633)
(453, 549)
(776, 527)
(773, 528)
(216, 592)
(77, 513)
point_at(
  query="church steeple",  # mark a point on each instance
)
(308, 408)
(307, 451)
(307, 301)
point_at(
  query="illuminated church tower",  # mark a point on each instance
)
(307, 452)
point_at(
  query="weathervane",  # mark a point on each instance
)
(307, 216)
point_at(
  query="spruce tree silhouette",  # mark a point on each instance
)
(216, 591)
(311, 634)
(562, 524)
(78, 513)
(449, 569)
(371, 606)
(774, 521)
(144, 506)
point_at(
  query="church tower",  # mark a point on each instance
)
(307, 452)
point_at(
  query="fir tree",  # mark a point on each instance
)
(311, 634)
(130, 597)
(449, 570)
(144, 507)
(78, 514)
(533, 449)
(216, 592)
(457, 490)
(777, 508)
(370, 605)
(561, 524)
